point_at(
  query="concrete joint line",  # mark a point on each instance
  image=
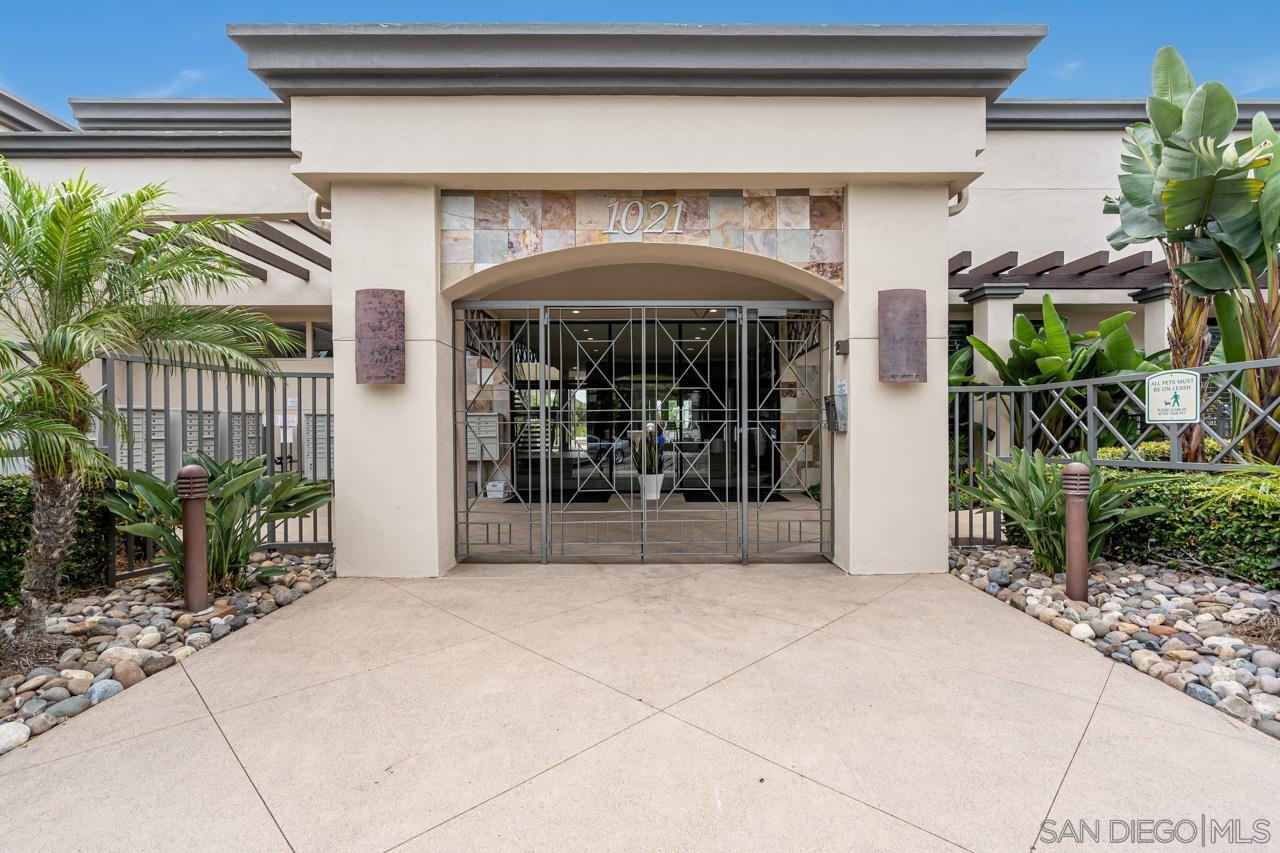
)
(1066, 772)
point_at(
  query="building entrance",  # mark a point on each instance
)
(668, 431)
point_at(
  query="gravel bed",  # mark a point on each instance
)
(132, 632)
(1195, 632)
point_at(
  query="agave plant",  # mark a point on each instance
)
(244, 505)
(1027, 490)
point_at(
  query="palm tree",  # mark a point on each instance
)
(83, 274)
(27, 431)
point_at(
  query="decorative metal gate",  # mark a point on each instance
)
(553, 401)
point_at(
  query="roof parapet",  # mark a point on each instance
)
(636, 59)
(22, 116)
(264, 114)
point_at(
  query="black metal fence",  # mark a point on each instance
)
(1106, 418)
(168, 411)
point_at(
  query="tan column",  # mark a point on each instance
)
(392, 443)
(890, 468)
(992, 323)
(1157, 316)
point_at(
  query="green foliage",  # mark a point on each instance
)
(1052, 353)
(1229, 523)
(1153, 451)
(1028, 491)
(960, 367)
(1213, 204)
(244, 502)
(85, 273)
(86, 563)
(646, 451)
(29, 395)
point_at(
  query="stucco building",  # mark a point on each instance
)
(587, 229)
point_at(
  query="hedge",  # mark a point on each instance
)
(86, 563)
(1238, 535)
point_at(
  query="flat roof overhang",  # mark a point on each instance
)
(636, 59)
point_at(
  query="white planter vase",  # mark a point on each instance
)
(651, 486)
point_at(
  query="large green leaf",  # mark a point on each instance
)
(1208, 276)
(1179, 164)
(1138, 222)
(1024, 331)
(1166, 116)
(1269, 211)
(1002, 368)
(1055, 331)
(1114, 322)
(1170, 77)
(1120, 350)
(1227, 310)
(1136, 189)
(1192, 202)
(1050, 365)
(1210, 113)
(1262, 131)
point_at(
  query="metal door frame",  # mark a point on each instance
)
(745, 311)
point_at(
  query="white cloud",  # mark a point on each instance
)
(183, 80)
(1067, 70)
(1258, 77)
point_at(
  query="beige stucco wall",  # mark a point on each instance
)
(649, 142)
(382, 161)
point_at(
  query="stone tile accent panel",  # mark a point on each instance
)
(801, 227)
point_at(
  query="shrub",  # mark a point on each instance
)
(1210, 521)
(244, 503)
(1028, 491)
(1154, 451)
(86, 563)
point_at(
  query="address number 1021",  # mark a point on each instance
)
(636, 216)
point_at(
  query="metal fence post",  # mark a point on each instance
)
(1091, 421)
(193, 490)
(108, 438)
(1075, 487)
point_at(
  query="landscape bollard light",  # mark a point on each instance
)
(193, 489)
(1075, 486)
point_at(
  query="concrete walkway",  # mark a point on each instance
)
(634, 708)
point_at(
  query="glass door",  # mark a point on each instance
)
(637, 432)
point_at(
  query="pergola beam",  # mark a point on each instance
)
(284, 241)
(1042, 264)
(995, 266)
(269, 258)
(306, 225)
(1095, 271)
(959, 261)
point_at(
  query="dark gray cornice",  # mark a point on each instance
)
(19, 115)
(1026, 114)
(180, 113)
(635, 59)
(143, 144)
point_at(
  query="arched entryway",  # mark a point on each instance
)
(561, 367)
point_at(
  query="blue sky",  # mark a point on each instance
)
(149, 49)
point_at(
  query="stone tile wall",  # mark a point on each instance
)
(801, 227)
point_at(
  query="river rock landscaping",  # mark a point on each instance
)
(116, 640)
(1210, 637)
